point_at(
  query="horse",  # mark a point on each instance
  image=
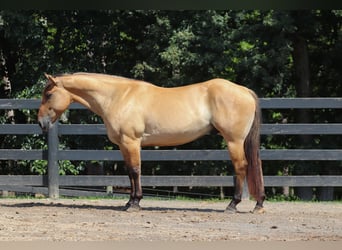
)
(137, 114)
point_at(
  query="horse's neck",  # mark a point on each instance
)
(88, 93)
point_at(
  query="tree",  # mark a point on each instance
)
(276, 53)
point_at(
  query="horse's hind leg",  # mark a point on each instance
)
(237, 155)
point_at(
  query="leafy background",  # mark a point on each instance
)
(275, 53)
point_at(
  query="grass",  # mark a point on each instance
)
(273, 198)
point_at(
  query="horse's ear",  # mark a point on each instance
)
(50, 78)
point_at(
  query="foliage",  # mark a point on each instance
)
(171, 48)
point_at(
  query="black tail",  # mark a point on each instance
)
(252, 148)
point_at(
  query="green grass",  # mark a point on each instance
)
(274, 198)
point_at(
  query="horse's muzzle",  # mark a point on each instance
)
(45, 123)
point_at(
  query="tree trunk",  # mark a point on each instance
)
(5, 85)
(302, 82)
(6, 88)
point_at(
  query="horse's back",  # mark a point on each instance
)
(182, 114)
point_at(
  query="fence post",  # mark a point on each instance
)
(245, 192)
(53, 169)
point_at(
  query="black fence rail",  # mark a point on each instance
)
(53, 181)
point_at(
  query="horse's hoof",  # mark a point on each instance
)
(259, 210)
(133, 208)
(127, 205)
(230, 210)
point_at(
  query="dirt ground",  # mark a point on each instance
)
(166, 220)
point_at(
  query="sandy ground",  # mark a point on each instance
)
(171, 220)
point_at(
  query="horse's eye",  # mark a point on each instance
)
(48, 95)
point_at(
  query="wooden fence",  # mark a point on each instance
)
(34, 183)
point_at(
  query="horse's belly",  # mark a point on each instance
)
(167, 138)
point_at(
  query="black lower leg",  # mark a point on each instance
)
(130, 202)
(232, 205)
(131, 198)
(259, 205)
(136, 192)
(260, 202)
(237, 195)
(133, 204)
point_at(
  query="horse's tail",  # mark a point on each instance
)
(252, 147)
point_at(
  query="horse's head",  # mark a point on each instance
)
(55, 100)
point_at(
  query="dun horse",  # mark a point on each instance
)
(138, 114)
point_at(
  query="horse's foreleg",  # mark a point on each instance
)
(136, 190)
(131, 180)
(131, 154)
(240, 166)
